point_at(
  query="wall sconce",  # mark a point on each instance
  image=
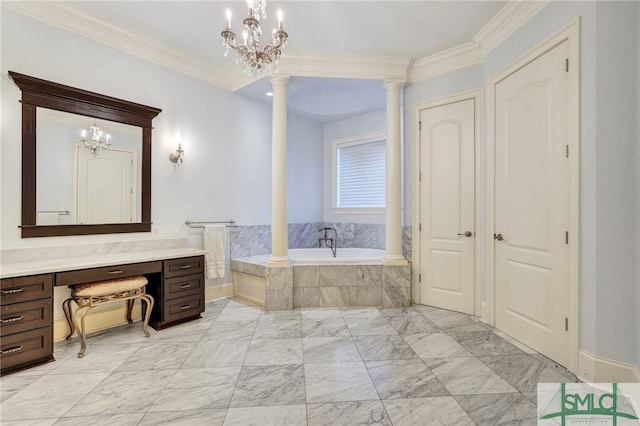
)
(177, 156)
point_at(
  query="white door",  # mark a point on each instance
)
(532, 204)
(447, 139)
(105, 186)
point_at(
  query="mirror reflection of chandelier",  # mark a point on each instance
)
(257, 61)
(99, 140)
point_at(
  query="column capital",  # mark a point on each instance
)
(279, 79)
(393, 83)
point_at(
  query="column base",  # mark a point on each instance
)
(279, 262)
(394, 260)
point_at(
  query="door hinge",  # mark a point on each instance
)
(566, 151)
(566, 65)
(419, 125)
(419, 278)
(420, 176)
(419, 227)
(566, 237)
(566, 324)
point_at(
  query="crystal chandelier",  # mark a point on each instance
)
(257, 61)
(99, 140)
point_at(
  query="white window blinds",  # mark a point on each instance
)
(361, 171)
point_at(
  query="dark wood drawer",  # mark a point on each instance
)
(183, 286)
(183, 307)
(183, 266)
(25, 316)
(27, 348)
(23, 289)
(107, 273)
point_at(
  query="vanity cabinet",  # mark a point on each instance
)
(180, 297)
(26, 318)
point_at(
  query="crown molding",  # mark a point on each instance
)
(446, 61)
(308, 64)
(511, 17)
(70, 19)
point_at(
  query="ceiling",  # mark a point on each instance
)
(410, 29)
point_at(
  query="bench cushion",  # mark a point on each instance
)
(103, 288)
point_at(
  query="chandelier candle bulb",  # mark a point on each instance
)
(228, 16)
(280, 19)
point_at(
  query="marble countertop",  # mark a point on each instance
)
(33, 267)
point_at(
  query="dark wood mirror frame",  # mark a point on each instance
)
(46, 94)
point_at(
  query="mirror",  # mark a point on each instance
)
(68, 189)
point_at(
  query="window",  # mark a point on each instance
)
(359, 174)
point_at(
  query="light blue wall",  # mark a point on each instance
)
(226, 137)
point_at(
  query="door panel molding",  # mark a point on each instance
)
(571, 35)
(477, 97)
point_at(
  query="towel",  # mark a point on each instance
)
(47, 219)
(214, 242)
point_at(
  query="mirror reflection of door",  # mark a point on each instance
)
(106, 186)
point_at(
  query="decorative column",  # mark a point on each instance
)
(396, 272)
(393, 255)
(279, 273)
(279, 227)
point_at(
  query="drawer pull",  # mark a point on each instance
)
(185, 286)
(11, 350)
(10, 320)
(13, 291)
(115, 272)
(185, 266)
(183, 307)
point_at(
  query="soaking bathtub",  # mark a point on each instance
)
(352, 278)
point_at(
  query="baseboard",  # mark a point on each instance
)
(98, 319)
(218, 292)
(595, 369)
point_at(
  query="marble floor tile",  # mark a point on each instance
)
(126, 334)
(240, 313)
(123, 392)
(230, 330)
(362, 313)
(347, 381)
(49, 396)
(404, 379)
(33, 422)
(184, 418)
(412, 324)
(363, 326)
(464, 376)
(274, 352)
(187, 332)
(320, 350)
(97, 359)
(270, 385)
(481, 343)
(165, 356)
(327, 327)
(284, 415)
(463, 325)
(278, 329)
(320, 313)
(400, 312)
(293, 314)
(218, 353)
(185, 390)
(435, 345)
(383, 347)
(443, 410)
(211, 314)
(104, 420)
(499, 409)
(348, 413)
(523, 372)
(13, 383)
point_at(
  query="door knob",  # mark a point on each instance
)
(498, 237)
(466, 234)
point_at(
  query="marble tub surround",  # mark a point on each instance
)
(278, 289)
(240, 365)
(396, 286)
(253, 240)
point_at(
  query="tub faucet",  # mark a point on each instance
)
(331, 242)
